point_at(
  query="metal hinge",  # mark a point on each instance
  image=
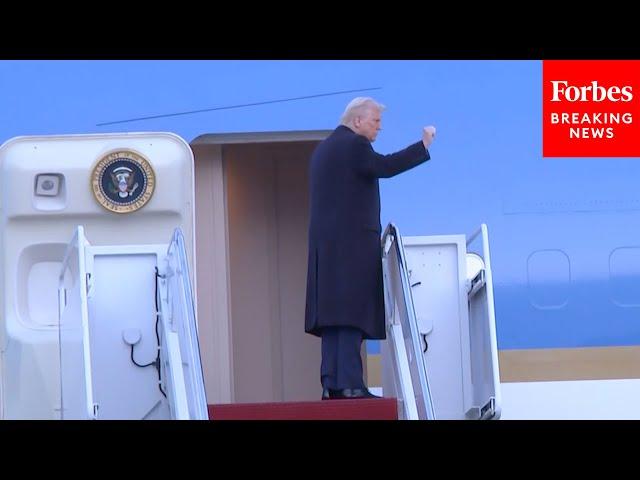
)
(89, 284)
(488, 410)
(476, 283)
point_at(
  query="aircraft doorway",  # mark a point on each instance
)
(251, 243)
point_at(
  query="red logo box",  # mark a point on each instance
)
(591, 108)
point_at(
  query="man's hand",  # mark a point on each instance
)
(428, 134)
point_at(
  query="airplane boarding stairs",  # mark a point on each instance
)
(440, 357)
(127, 333)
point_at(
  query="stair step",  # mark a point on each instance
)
(356, 409)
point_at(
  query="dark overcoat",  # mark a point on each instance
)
(344, 276)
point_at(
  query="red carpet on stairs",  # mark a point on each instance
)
(360, 409)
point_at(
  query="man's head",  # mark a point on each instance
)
(363, 116)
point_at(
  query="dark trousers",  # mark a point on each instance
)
(341, 362)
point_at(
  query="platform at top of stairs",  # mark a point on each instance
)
(352, 409)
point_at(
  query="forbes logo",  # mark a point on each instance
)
(563, 91)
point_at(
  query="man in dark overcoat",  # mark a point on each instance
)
(345, 300)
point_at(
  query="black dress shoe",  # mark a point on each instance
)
(349, 393)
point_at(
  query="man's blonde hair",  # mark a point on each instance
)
(358, 106)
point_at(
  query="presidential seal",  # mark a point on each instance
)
(123, 181)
